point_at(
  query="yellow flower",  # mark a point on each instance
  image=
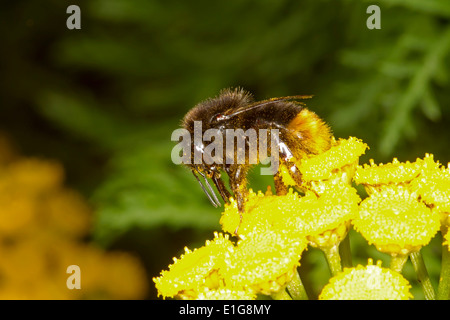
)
(395, 172)
(34, 267)
(396, 222)
(262, 212)
(66, 213)
(195, 270)
(425, 177)
(104, 275)
(259, 213)
(35, 176)
(409, 175)
(263, 262)
(339, 162)
(42, 225)
(433, 186)
(17, 210)
(226, 294)
(24, 184)
(325, 220)
(99, 267)
(371, 282)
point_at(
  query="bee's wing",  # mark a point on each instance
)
(259, 104)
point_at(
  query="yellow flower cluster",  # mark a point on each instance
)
(42, 227)
(273, 233)
(258, 263)
(406, 204)
(318, 218)
(196, 271)
(401, 213)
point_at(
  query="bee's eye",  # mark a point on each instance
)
(219, 117)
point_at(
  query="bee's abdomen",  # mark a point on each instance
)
(313, 133)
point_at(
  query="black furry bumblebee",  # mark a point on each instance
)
(301, 133)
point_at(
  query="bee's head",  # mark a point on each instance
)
(210, 114)
(211, 111)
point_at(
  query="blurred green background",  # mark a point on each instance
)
(105, 99)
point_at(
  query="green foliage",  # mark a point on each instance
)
(399, 76)
(116, 89)
(143, 189)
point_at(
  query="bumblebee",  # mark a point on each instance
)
(300, 133)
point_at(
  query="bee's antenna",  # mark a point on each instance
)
(260, 104)
(213, 199)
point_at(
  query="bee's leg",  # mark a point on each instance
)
(222, 189)
(294, 173)
(287, 157)
(280, 188)
(238, 184)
